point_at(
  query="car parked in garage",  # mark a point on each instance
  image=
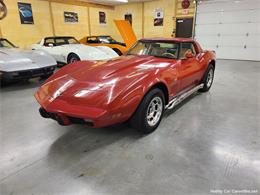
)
(68, 49)
(17, 64)
(105, 40)
(154, 75)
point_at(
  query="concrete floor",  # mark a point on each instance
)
(211, 142)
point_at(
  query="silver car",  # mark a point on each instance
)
(18, 64)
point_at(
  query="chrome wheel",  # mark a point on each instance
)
(210, 77)
(154, 111)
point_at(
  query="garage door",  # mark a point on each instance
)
(230, 27)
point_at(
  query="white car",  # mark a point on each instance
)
(68, 49)
(19, 64)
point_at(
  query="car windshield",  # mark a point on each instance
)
(106, 39)
(157, 49)
(65, 41)
(6, 44)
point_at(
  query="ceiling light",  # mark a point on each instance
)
(123, 1)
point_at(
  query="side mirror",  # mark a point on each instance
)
(189, 54)
(50, 45)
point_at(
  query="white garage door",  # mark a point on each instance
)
(230, 27)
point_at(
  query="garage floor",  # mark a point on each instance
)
(211, 142)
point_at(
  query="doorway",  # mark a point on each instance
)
(184, 27)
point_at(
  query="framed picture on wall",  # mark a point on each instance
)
(102, 18)
(25, 12)
(71, 17)
(158, 18)
(128, 17)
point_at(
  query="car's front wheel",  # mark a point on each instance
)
(149, 113)
(73, 58)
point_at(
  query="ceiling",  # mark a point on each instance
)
(113, 2)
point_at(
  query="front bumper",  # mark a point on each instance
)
(26, 74)
(63, 119)
(95, 119)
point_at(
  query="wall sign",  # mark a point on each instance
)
(102, 18)
(71, 17)
(25, 12)
(3, 10)
(158, 19)
(185, 4)
(129, 18)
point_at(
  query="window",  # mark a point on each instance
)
(92, 40)
(187, 47)
(60, 41)
(106, 39)
(156, 49)
(49, 41)
(6, 44)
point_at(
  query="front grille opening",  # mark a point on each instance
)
(80, 121)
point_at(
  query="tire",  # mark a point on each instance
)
(141, 119)
(117, 51)
(73, 58)
(208, 79)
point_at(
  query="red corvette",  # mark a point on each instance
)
(154, 75)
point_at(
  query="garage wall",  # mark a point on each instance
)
(23, 35)
(168, 6)
(143, 17)
(101, 29)
(136, 10)
(172, 10)
(70, 29)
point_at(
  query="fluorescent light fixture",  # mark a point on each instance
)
(123, 1)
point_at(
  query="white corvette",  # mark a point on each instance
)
(19, 64)
(68, 50)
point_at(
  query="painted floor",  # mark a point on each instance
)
(211, 142)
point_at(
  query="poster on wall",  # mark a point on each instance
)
(3, 10)
(25, 12)
(158, 19)
(71, 17)
(102, 18)
(128, 17)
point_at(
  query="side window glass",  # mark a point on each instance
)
(92, 40)
(61, 42)
(187, 47)
(49, 41)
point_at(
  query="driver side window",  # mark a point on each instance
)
(49, 41)
(187, 47)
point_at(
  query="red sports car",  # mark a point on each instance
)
(154, 75)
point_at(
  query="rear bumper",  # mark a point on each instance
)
(26, 74)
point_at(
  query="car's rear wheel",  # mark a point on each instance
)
(73, 58)
(208, 79)
(149, 113)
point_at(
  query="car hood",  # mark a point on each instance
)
(15, 59)
(98, 84)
